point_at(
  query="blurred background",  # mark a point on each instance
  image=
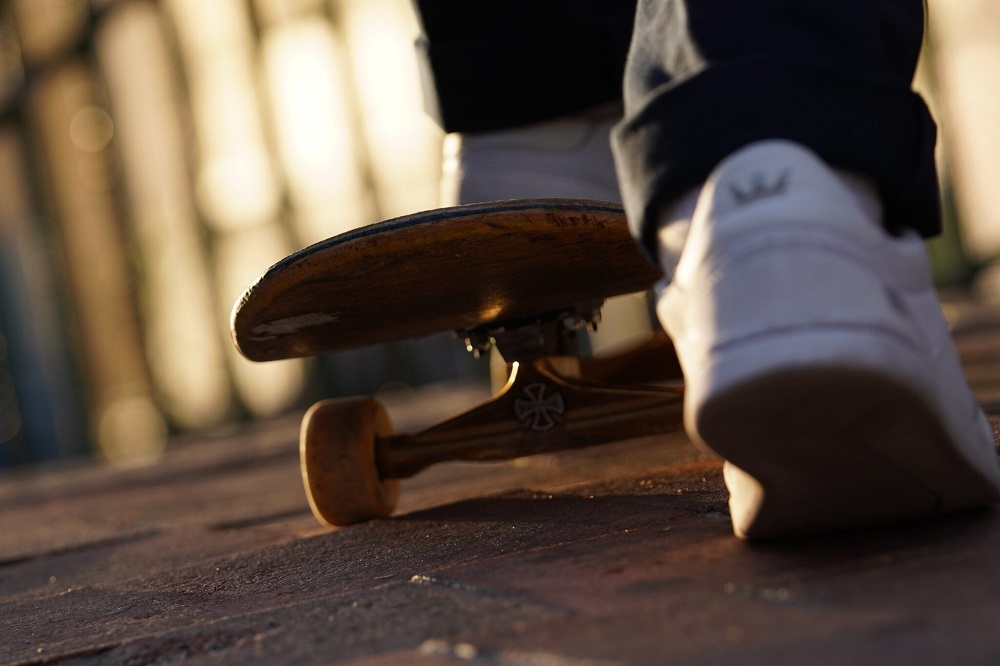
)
(157, 155)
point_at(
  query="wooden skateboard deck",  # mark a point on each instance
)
(446, 269)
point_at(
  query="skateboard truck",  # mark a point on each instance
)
(548, 334)
(352, 461)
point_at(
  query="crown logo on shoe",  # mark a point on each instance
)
(760, 186)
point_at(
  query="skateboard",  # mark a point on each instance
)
(524, 276)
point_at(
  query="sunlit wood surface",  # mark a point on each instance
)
(620, 554)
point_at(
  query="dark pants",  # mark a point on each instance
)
(703, 78)
(495, 65)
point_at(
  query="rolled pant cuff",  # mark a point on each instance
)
(876, 128)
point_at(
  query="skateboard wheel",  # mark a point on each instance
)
(337, 446)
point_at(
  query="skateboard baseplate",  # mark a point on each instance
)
(523, 276)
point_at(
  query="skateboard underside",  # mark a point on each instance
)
(449, 269)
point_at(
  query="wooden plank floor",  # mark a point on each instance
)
(618, 555)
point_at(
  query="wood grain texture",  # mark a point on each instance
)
(445, 269)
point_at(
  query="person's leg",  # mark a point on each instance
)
(707, 77)
(493, 66)
(528, 92)
(775, 162)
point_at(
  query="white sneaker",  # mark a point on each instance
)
(817, 362)
(567, 157)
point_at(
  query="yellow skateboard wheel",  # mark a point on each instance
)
(338, 451)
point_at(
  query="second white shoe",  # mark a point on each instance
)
(817, 362)
(567, 157)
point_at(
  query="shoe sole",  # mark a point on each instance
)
(823, 445)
